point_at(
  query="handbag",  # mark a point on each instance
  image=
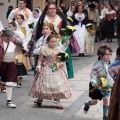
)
(74, 46)
(96, 93)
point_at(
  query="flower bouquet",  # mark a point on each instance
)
(66, 33)
(31, 25)
(69, 20)
(90, 29)
(61, 57)
(100, 90)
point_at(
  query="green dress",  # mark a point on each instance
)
(69, 64)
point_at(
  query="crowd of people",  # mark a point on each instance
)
(33, 40)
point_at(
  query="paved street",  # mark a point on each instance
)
(73, 108)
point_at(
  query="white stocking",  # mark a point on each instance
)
(9, 92)
(58, 103)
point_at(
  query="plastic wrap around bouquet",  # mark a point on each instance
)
(61, 57)
(89, 27)
(66, 33)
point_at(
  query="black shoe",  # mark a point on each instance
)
(96, 41)
(107, 40)
(110, 40)
(86, 107)
(104, 117)
(39, 102)
(80, 54)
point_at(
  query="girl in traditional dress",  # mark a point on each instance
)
(48, 28)
(80, 33)
(47, 84)
(98, 74)
(36, 13)
(23, 27)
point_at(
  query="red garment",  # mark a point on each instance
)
(9, 72)
(1, 51)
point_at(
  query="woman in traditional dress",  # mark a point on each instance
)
(80, 33)
(109, 23)
(71, 11)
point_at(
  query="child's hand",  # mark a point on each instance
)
(67, 42)
(38, 68)
(61, 64)
(96, 86)
(115, 33)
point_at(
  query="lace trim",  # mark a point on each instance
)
(47, 51)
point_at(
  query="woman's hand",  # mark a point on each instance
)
(38, 68)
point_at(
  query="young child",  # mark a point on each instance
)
(98, 73)
(8, 68)
(48, 29)
(22, 26)
(47, 84)
(115, 66)
(19, 36)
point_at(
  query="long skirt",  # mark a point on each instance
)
(80, 34)
(50, 85)
(89, 43)
(109, 28)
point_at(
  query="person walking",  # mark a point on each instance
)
(8, 67)
(48, 84)
(100, 80)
